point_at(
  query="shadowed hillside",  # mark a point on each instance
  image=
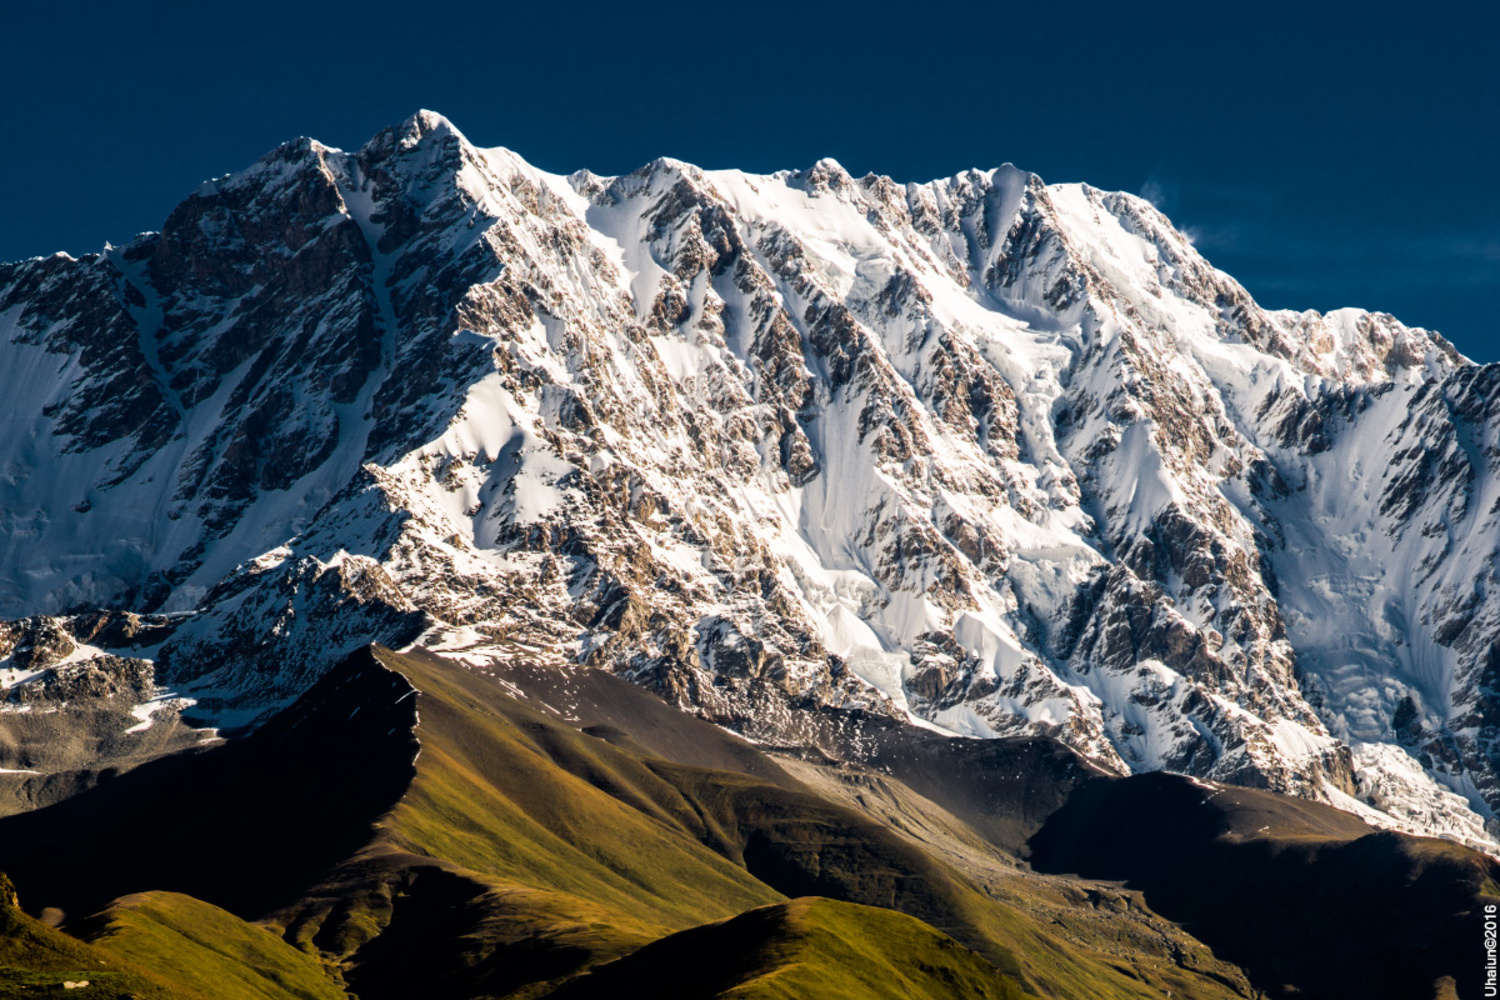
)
(1307, 899)
(245, 825)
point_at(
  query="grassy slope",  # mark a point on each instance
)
(207, 950)
(35, 961)
(523, 851)
(503, 790)
(568, 841)
(800, 949)
(155, 946)
(526, 849)
(1057, 947)
(1113, 925)
(473, 931)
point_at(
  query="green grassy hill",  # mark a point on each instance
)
(414, 828)
(549, 848)
(199, 947)
(801, 949)
(36, 960)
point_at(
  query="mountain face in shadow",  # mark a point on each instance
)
(245, 824)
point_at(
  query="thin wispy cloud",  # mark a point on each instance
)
(1154, 190)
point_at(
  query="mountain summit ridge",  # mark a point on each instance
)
(996, 456)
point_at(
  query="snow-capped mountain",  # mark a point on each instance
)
(990, 454)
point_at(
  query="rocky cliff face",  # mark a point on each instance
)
(988, 454)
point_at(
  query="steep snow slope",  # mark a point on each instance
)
(993, 455)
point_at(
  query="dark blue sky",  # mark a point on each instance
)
(1326, 154)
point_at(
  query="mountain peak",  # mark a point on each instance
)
(426, 125)
(982, 454)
